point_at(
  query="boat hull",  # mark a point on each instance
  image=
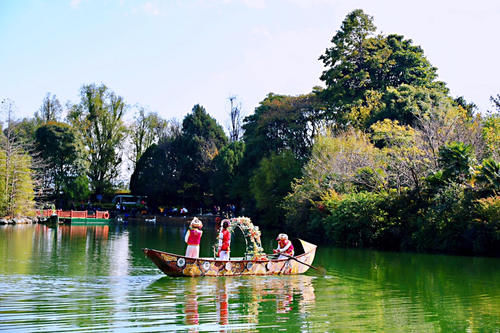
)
(177, 265)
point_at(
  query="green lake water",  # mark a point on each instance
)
(78, 278)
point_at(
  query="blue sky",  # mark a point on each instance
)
(170, 55)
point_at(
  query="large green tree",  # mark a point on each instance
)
(200, 141)
(361, 65)
(157, 174)
(280, 123)
(61, 153)
(98, 120)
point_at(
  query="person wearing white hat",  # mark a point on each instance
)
(284, 246)
(193, 238)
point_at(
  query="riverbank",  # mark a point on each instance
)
(18, 220)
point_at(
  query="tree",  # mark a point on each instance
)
(50, 110)
(98, 119)
(344, 74)
(17, 188)
(59, 148)
(226, 168)
(270, 183)
(359, 66)
(24, 131)
(146, 130)
(456, 161)
(200, 141)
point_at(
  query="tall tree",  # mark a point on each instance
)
(360, 65)
(98, 118)
(50, 110)
(17, 188)
(201, 140)
(280, 123)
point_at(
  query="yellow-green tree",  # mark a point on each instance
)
(16, 184)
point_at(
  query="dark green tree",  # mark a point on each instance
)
(271, 182)
(61, 153)
(157, 175)
(226, 168)
(359, 64)
(200, 141)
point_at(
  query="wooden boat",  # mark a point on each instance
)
(255, 261)
(177, 265)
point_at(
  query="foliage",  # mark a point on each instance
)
(60, 150)
(226, 168)
(356, 219)
(456, 161)
(144, 131)
(16, 183)
(488, 210)
(23, 131)
(364, 74)
(405, 159)
(156, 174)
(489, 176)
(271, 182)
(76, 189)
(200, 142)
(491, 134)
(279, 123)
(98, 120)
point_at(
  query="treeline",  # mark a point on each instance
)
(382, 156)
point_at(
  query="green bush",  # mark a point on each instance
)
(357, 220)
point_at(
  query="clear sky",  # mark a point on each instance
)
(170, 55)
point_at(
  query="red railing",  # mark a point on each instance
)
(73, 214)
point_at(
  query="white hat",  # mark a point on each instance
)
(196, 223)
(282, 236)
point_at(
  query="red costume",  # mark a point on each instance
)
(226, 240)
(194, 237)
(285, 246)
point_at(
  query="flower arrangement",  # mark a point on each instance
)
(252, 236)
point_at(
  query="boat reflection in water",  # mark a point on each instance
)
(237, 303)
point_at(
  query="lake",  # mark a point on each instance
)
(96, 278)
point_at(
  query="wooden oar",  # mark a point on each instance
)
(320, 270)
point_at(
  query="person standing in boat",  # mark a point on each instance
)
(193, 238)
(284, 246)
(224, 241)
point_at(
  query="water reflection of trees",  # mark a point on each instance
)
(420, 291)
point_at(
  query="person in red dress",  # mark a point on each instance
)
(224, 241)
(193, 238)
